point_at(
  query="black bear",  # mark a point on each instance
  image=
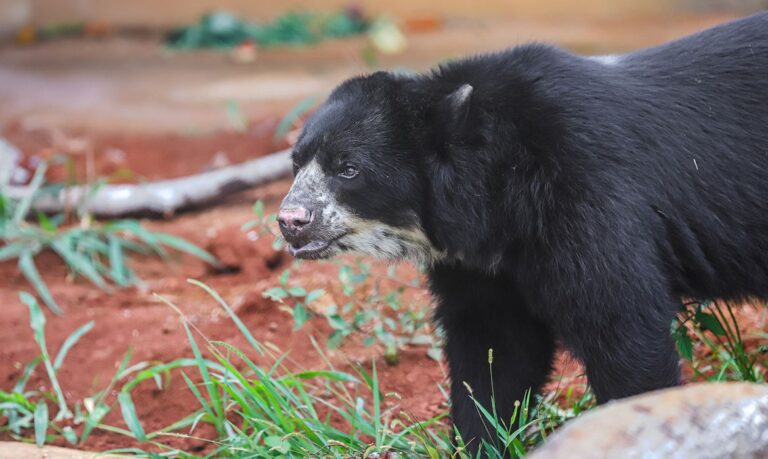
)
(552, 198)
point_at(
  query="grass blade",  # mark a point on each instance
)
(79, 263)
(37, 322)
(69, 342)
(41, 423)
(128, 409)
(22, 209)
(293, 115)
(14, 250)
(117, 261)
(240, 325)
(29, 270)
(186, 247)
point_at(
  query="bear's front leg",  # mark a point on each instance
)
(479, 312)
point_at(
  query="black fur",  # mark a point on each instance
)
(574, 200)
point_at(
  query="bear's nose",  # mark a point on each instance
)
(294, 219)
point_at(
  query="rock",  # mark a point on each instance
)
(16, 450)
(706, 420)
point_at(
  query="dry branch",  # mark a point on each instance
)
(163, 197)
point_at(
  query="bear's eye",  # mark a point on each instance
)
(349, 172)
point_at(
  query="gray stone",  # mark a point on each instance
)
(702, 421)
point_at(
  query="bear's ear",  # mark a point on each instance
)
(457, 106)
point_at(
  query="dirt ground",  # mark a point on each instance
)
(132, 107)
(134, 318)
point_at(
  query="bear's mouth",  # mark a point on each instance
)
(313, 249)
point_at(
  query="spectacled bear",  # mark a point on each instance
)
(552, 198)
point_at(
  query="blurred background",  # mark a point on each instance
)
(108, 92)
(113, 64)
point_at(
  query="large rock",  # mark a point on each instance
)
(702, 421)
(16, 450)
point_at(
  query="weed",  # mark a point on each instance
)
(97, 252)
(714, 324)
(263, 224)
(28, 409)
(273, 412)
(370, 307)
(262, 411)
(291, 119)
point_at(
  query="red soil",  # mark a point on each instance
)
(134, 319)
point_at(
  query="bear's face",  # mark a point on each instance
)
(358, 183)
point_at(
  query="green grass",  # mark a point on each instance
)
(714, 325)
(94, 251)
(256, 410)
(270, 409)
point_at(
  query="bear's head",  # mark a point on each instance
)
(367, 170)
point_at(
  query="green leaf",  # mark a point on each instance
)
(70, 435)
(277, 443)
(275, 293)
(300, 316)
(314, 295)
(293, 115)
(79, 263)
(284, 277)
(128, 411)
(278, 244)
(16, 249)
(93, 419)
(421, 340)
(187, 247)
(45, 222)
(119, 270)
(297, 291)
(22, 208)
(41, 423)
(335, 340)
(684, 344)
(710, 322)
(28, 269)
(69, 342)
(258, 208)
(238, 323)
(337, 322)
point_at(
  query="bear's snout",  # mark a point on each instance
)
(293, 219)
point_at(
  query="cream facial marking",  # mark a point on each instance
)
(347, 231)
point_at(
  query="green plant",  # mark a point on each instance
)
(28, 409)
(714, 324)
(262, 223)
(374, 306)
(274, 412)
(290, 119)
(529, 424)
(97, 252)
(260, 411)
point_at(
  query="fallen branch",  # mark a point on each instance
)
(163, 197)
(9, 158)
